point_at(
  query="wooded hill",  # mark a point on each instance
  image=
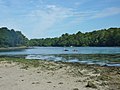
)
(106, 37)
(11, 38)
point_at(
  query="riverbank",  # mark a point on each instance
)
(13, 48)
(22, 74)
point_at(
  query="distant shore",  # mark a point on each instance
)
(14, 48)
(48, 75)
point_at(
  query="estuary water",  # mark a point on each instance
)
(88, 55)
(61, 50)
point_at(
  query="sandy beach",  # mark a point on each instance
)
(57, 76)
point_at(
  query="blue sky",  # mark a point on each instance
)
(51, 18)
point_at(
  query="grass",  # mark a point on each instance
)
(25, 62)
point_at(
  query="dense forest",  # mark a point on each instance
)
(12, 38)
(105, 37)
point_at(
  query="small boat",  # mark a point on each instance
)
(75, 50)
(66, 50)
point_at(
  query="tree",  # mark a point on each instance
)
(12, 38)
(104, 37)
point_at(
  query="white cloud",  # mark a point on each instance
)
(49, 16)
(107, 12)
(40, 17)
(80, 2)
(77, 3)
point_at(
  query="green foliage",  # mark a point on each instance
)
(105, 37)
(11, 38)
(109, 37)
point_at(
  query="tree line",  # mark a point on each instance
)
(12, 38)
(105, 37)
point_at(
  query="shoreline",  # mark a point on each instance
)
(48, 75)
(112, 61)
(14, 48)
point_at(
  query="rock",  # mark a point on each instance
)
(25, 67)
(22, 80)
(75, 89)
(60, 83)
(78, 81)
(38, 72)
(49, 82)
(118, 72)
(35, 82)
(91, 85)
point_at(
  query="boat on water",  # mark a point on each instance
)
(75, 50)
(66, 50)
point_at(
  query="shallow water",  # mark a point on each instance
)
(86, 59)
(86, 55)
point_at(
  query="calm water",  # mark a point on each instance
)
(60, 50)
(50, 53)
